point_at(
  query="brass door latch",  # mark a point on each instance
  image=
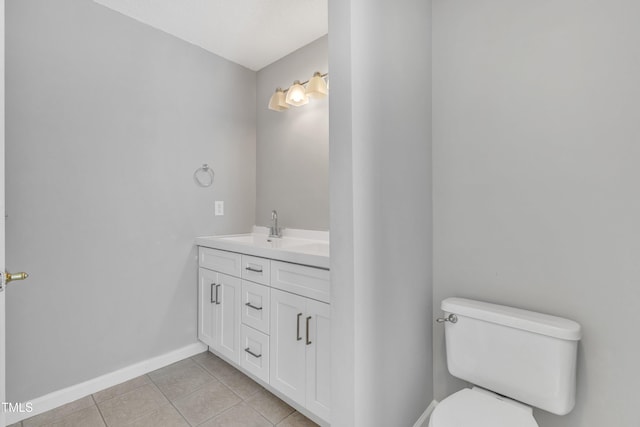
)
(10, 277)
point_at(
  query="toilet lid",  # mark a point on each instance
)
(471, 408)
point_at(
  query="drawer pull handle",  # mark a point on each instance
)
(217, 299)
(248, 350)
(308, 340)
(253, 306)
(255, 270)
(298, 337)
(212, 300)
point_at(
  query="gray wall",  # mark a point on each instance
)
(380, 137)
(343, 363)
(293, 146)
(536, 179)
(106, 121)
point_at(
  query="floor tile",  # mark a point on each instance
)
(207, 402)
(202, 355)
(241, 384)
(216, 366)
(120, 410)
(122, 388)
(180, 379)
(174, 367)
(59, 412)
(205, 390)
(167, 416)
(88, 417)
(297, 420)
(272, 408)
(241, 415)
(18, 424)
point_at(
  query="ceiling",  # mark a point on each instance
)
(253, 33)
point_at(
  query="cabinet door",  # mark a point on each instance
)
(227, 317)
(207, 280)
(287, 347)
(318, 361)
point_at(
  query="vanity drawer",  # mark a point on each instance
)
(256, 269)
(254, 355)
(222, 261)
(255, 306)
(302, 280)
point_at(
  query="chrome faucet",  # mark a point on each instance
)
(274, 231)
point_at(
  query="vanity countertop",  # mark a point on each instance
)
(297, 246)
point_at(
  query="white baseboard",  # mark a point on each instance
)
(75, 392)
(422, 421)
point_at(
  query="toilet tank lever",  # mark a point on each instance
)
(451, 318)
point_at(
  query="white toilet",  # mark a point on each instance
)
(515, 358)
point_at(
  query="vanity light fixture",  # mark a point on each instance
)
(317, 86)
(277, 101)
(297, 94)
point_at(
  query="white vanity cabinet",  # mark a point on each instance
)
(255, 306)
(270, 318)
(301, 350)
(288, 349)
(254, 355)
(254, 340)
(318, 359)
(256, 269)
(219, 292)
(218, 312)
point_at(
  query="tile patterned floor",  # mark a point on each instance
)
(202, 391)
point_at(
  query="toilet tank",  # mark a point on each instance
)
(524, 355)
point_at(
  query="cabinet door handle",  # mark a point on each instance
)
(212, 300)
(253, 306)
(217, 299)
(248, 350)
(308, 340)
(298, 337)
(255, 270)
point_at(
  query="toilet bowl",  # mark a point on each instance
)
(480, 408)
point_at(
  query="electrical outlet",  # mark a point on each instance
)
(219, 208)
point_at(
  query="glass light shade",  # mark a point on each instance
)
(277, 101)
(317, 87)
(296, 95)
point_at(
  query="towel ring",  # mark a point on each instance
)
(203, 176)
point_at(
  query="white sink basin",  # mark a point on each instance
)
(263, 241)
(313, 248)
(297, 246)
